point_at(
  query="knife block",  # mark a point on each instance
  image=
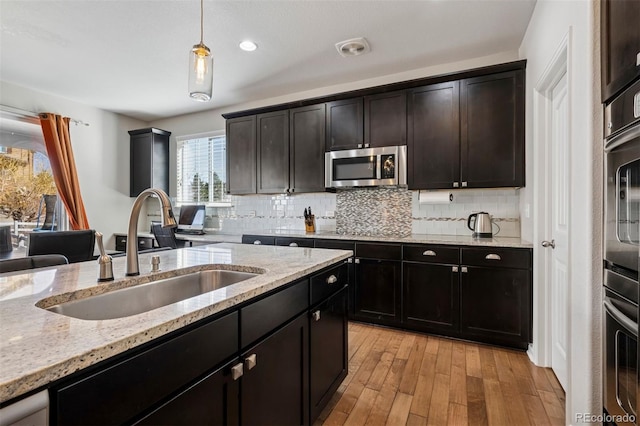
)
(310, 224)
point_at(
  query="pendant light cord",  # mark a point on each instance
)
(201, 19)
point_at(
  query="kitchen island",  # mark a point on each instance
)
(39, 349)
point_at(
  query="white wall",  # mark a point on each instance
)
(550, 23)
(101, 152)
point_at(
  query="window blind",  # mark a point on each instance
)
(201, 170)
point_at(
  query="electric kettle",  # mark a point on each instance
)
(481, 225)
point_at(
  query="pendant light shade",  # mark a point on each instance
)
(200, 68)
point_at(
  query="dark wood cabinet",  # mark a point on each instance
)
(273, 152)
(328, 350)
(433, 148)
(385, 119)
(496, 298)
(149, 160)
(274, 387)
(241, 155)
(377, 283)
(619, 45)
(344, 124)
(431, 288)
(213, 400)
(492, 131)
(144, 243)
(306, 152)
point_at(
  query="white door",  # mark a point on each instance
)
(557, 244)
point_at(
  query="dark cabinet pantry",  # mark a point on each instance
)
(149, 160)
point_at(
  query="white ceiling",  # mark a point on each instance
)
(131, 56)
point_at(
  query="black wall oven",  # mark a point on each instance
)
(621, 256)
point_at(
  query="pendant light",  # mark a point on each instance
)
(200, 68)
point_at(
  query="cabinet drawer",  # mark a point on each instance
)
(117, 393)
(497, 257)
(431, 254)
(267, 314)
(336, 244)
(325, 284)
(145, 243)
(121, 243)
(294, 242)
(379, 251)
(258, 239)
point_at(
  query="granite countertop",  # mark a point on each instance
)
(462, 240)
(38, 346)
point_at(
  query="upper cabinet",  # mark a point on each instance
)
(306, 152)
(149, 160)
(492, 131)
(385, 119)
(241, 155)
(344, 124)
(433, 148)
(620, 45)
(273, 152)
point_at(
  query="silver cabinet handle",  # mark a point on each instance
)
(638, 60)
(456, 184)
(429, 253)
(332, 279)
(464, 184)
(293, 245)
(610, 125)
(237, 371)
(464, 270)
(316, 316)
(366, 145)
(251, 361)
(493, 256)
(551, 244)
(257, 242)
(454, 269)
(359, 145)
(358, 261)
(350, 260)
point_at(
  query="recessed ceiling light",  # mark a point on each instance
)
(248, 46)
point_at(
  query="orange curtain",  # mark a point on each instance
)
(58, 143)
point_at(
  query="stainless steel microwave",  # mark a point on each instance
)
(366, 167)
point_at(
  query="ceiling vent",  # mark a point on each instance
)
(353, 47)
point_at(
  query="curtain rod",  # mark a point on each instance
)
(31, 114)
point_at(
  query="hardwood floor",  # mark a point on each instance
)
(403, 378)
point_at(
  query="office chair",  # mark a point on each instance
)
(31, 262)
(166, 237)
(77, 246)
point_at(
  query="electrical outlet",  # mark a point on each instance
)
(252, 213)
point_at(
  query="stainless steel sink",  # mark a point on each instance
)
(145, 297)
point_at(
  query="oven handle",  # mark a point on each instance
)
(621, 318)
(622, 137)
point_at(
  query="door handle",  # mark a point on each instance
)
(251, 361)
(237, 371)
(316, 316)
(456, 184)
(464, 269)
(358, 261)
(332, 279)
(551, 244)
(454, 269)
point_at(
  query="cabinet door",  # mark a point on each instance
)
(431, 297)
(492, 130)
(496, 305)
(213, 400)
(241, 155)
(377, 290)
(328, 350)
(274, 387)
(307, 132)
(273, 152)
(149, 160)
(344, 124)
(434, 136)
(620, 45)
(385, 119)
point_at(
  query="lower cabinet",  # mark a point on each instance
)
(327, 350)
(496, 305)
(213, 400)
(275, 381)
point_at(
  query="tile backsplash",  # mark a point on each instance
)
(364, 211)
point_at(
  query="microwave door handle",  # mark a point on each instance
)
(379, 166)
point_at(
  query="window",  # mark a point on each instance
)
(201, 169)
